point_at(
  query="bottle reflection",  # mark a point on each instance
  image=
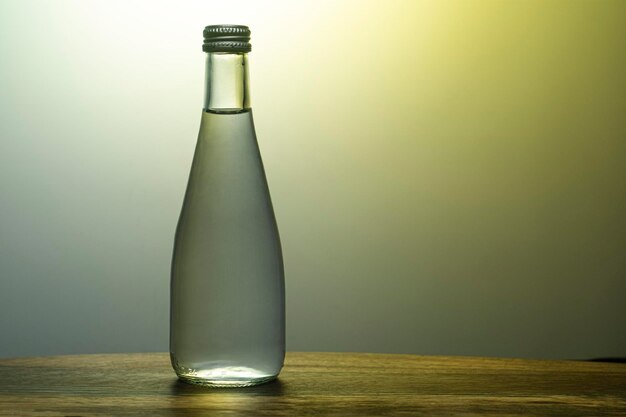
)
(195, 400)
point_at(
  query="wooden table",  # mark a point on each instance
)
(337, 384)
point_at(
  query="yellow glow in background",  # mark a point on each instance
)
(448, 176)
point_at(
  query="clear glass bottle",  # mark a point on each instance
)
(227, 315)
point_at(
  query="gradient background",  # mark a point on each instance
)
(448, 176)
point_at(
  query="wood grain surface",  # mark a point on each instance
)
(315, 384)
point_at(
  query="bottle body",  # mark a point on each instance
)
(227, 288)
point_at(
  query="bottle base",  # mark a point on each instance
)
(227, 377)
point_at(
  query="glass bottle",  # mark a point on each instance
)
(227, 310)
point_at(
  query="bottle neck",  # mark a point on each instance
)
(226, 83)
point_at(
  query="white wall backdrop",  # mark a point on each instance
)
(448, 176)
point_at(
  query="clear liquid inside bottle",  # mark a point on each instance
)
(227, 289)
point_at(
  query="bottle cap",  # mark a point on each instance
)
(226, 38)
